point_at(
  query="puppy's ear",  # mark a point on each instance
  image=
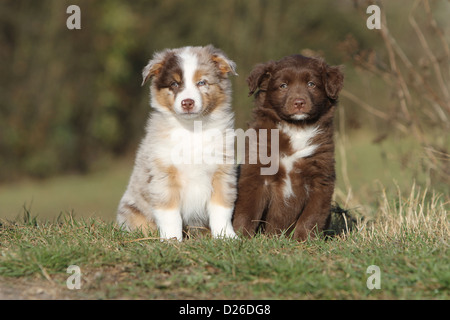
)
(154, 66)
(225, 65)
(334, 81)
(259, 77)
(222, 62)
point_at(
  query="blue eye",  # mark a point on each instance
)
(174, 84)
(283, 86)
(311, 84)
(201, 83)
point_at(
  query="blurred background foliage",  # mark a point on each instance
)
(69, 99)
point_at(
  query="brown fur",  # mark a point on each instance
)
(138, 220)
(261, 203)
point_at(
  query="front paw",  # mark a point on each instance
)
(168, 237)
(227, 233)
(170, 224)
(220, 222)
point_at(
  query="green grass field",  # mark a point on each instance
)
(96, 194)
(408, 242)
(402, 228)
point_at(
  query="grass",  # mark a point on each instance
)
(95, 194)
(408, 241)
(402, 228)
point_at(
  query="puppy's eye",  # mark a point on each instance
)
(174, 85)
(201, 83)
(283, 86)
(311, 84)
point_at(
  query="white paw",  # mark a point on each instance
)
(170, 224)
(226, 233)
(220, 222)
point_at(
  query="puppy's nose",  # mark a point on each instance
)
(299, 103)
(187, 104)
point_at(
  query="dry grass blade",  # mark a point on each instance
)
(420, 215)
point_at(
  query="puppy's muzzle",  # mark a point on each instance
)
(187, 105)
(299, 105)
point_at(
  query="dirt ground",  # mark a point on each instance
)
(94, 286)
(29, 289)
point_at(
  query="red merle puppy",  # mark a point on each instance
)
(297, 96)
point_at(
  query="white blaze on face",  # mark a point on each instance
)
(189, 64)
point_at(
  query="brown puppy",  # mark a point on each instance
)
(297, 96)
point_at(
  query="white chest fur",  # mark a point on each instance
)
(300, 139)
(196, 152)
